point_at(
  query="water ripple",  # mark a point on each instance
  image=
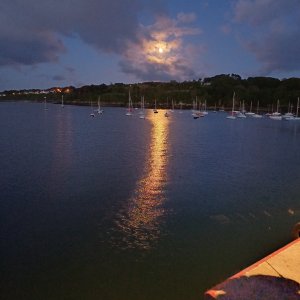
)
(139, 220)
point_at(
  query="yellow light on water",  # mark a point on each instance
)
(140, 222)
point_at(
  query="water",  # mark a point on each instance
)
(115, 207)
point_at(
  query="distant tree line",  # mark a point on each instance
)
(216, 91)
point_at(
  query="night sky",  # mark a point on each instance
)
(50, 43)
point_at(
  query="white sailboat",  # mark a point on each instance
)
(194, 109)
(180, 109)
(45, 103)
(130, 108)
(215, 110)
(172, 108)
(241, 113)
(196, 113)
(232, 116)
(257, 115)
(289, 113)
(155, 110)
(276, 115)
(250, 113)
(99, 110)
(205, 112)
(295, 118)
(142, 111)
(269, 113)
(92, 111)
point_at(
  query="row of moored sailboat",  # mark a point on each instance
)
(289, 116)
(197, 112)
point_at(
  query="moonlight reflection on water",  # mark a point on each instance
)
(140, 219)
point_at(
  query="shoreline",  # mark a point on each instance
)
(163, 106)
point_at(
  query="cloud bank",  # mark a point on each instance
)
(273, 34)
(32, 32)
(35, 26)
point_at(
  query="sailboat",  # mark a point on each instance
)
(269, 113)
(92, 113)
(196, 113)
(289, 113)
(276, 115)
(166, 113)
(45, 103)
(250, 113)
(257, 115)
(142, 112)
(130, 108)
(180, 110)
(155, 110)
(295, 118)
(194, 110)
(231, 116)
(99, 110)
(172, 109)
(215, 110)
(241, 113)
(205, 112)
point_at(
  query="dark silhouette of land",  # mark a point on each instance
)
(217, 91)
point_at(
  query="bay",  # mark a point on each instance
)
(117, 207)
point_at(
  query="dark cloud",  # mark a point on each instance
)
(279, 52)
(263, 12)
(70, 70)
(58, 78)
(30, 30)
(33, 32)
(270, 29)
(30, 50)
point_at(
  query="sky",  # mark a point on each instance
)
(50, 43)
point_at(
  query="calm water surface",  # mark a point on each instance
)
(116, 207)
